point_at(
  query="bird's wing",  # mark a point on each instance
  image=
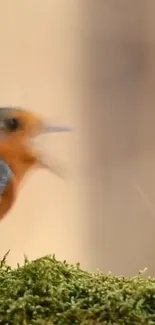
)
(5, 175)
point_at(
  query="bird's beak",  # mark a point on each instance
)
(55, 128)
(44, 161)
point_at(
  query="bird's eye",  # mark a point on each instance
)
(12, 124)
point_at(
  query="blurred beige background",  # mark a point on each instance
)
(89, 64)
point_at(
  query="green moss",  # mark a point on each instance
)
(46, 292)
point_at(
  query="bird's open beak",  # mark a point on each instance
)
(53, 164)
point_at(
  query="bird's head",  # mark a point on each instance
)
(17, 123)
(20, 121)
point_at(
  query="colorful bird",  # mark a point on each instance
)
(18, 127)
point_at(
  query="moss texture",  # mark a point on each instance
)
(47, 292)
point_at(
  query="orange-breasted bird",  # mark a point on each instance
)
(17, 154)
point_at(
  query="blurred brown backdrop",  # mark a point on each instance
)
(89, 64)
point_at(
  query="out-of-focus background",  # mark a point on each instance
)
(89, 64)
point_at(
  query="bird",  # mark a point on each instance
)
(18, 128)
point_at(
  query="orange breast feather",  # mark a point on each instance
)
(19, 159)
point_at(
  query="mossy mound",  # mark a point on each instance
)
(46, 291)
